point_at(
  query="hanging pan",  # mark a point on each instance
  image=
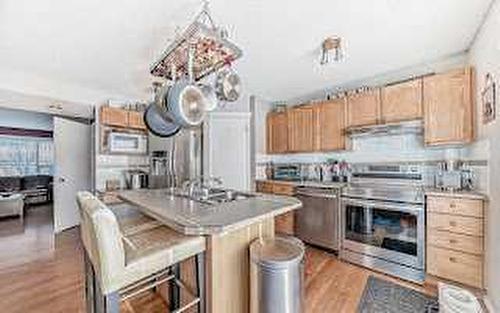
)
(158, 124)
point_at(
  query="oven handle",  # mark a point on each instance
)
(409, 208)
(315, 194)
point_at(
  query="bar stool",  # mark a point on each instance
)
(131, 220)
(119, 267)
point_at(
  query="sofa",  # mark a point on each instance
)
(12, 205)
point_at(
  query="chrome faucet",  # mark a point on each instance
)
(199, 187)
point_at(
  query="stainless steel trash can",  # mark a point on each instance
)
(277, 275)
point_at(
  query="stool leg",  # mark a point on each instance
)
(109, 303)
(89, 284)
(200, 280)
(174, 288)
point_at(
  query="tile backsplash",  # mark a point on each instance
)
(389, 149)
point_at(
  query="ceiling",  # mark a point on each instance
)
(109, 45)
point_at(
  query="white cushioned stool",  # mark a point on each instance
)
(119, 267)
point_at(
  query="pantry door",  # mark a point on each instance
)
(73, 155)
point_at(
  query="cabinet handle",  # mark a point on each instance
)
(453, 223)
(453, 241)
(452, 260)
(453, 205)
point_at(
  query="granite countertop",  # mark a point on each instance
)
(306, 183)
(197, 218)
(465, 194)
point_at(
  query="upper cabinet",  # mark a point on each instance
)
(136, 120)
(363, 108)
(301, 124)
(118, 117)
(277, 132)
(402, 102)
(114, 116)
(448, 107)
(331, 122)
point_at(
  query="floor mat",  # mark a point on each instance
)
(381, 296)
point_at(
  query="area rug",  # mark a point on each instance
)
(381, 296)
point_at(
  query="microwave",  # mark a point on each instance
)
(127, 143)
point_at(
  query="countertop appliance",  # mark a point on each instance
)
(383, 219)
(136, 179)
(317, 222)
(121, 142)
(159, 170)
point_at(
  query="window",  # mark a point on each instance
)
(22, 156)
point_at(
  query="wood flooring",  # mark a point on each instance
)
(41, 274)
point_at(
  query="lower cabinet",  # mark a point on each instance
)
(455, 248)
(284, 223)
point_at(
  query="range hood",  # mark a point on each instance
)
(391, 129)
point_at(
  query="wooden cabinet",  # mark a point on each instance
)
(136, 120)
(277, 132)
(283, 223)
(455, 235)
(301, 125)
(330, 125)
(402, 102)
(114, 117)
(448, 107)
(363, 108)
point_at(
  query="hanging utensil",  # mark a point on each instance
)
(156, 118)
(157, 124)
(228, 84)
(210, 97)
(186, 103)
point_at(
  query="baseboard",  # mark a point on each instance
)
(488, 304)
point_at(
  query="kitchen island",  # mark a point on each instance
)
(229, 228)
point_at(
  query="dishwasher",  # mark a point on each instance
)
(317, 222)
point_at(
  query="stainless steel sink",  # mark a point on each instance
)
(222, 196)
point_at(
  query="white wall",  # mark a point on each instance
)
(24, 119)
(485, 56)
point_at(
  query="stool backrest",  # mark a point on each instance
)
(102, 240)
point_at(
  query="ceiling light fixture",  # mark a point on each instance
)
(331, 50)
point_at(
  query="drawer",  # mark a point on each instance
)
(458, 242)
(284, 223)
(457, 266)
(456, 224)
(465, 207)
(283, 189)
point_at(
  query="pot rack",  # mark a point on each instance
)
(212, 50)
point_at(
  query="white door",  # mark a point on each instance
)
(72, 170)
(227, 149)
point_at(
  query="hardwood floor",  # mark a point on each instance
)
(40, 274)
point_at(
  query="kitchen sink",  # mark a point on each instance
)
(225, 195)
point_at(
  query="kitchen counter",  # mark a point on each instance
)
(306, 183)
(455, 194)
(229, 229)
(196, 218)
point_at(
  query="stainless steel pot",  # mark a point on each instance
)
(186, 103)
(228, 85)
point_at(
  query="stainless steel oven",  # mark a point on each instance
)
(383, 223)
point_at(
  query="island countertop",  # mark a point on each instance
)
(197, 218)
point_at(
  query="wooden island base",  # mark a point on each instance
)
(228, 267)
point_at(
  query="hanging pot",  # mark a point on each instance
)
(186, 104)
(228, 85)
(211, 100)
(158, 124)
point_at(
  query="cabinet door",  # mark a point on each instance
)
(114, 117)
(301, 124)
(448, 107)
(402, 102)
(331, 122)
(136, 120)
(277, 132)
(363, 108)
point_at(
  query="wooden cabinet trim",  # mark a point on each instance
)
(402, 101)
(363, 109)
(455, 206)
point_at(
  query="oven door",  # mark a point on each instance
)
(390, 231)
